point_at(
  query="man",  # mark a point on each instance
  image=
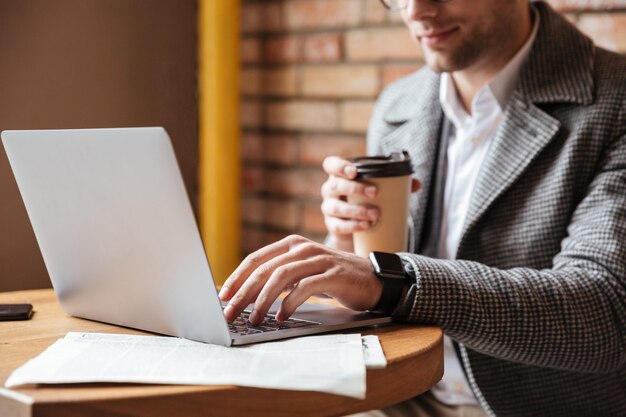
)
(517, 131)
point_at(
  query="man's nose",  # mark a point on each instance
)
(421, 9)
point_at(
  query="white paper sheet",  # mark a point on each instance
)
(373, 352)
(331, 363)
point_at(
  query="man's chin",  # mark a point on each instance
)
(438, 63)
(450, 61)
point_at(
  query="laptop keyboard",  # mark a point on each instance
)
(242, 326)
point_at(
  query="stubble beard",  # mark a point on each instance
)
(482, 42)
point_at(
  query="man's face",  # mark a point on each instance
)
(459, 34)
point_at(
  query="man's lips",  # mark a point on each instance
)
(435, 38)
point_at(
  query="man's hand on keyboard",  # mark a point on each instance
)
(305, 268)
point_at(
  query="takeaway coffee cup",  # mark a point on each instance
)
(392, 176)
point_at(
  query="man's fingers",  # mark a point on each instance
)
(334, 165)
(338, 208)
(248, 266)
(337, 187)
(251, 288)
(337, 226)
(250, 285)
(281, 279)
(316, 284)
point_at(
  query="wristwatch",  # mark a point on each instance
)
(388, 268)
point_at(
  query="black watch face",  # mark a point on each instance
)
(389, 263)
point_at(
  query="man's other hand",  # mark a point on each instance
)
(305, 268)
(342, 219)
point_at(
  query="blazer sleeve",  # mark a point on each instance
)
(571, 316)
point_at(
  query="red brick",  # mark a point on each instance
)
(250, 81)
(578, 5)
(250, 113)
(314, 148)
(282, 214)
(261, 17)
(251, 147)
(381, 44)
(374, 12)
(282, 49)
(606, 29)
(394, 72)
(251, 239)
(280, 82)
(355, 116)
(307, 115)
(250, 50)
(295, 182)
(275, 148)
(312, 218)
(254, 238)
(341, 81)
(317, 14)
(276, 235)
(253, 179)
(252, 208)
(325, 47)
(250, 18)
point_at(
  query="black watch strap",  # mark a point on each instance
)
(389, 269)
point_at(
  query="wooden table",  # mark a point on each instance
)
(414, 354)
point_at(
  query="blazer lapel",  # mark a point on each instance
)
(524, 132)
(549, 76)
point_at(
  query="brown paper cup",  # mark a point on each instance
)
(392, 176)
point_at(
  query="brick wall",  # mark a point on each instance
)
(311, 72)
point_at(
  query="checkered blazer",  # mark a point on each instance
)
(537, 297)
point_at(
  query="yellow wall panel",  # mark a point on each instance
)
(219, 133)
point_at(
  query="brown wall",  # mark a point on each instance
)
(91, 63)
(312, 72)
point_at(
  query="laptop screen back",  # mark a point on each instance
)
(116, 229)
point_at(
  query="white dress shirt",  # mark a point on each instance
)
(468, 145)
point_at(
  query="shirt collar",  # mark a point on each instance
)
(499, 89)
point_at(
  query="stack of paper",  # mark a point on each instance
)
(334, 363)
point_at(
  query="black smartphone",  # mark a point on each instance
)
(15, 312)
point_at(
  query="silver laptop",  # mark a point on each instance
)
(120, 242)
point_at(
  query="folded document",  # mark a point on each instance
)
(332, 363)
